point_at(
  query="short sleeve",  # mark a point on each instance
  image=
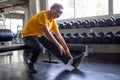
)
(41, 18)
(55, 26)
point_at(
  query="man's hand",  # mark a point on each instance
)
(68, 53)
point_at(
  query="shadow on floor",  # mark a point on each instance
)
(66, 74)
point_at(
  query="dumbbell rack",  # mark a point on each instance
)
(91, 48)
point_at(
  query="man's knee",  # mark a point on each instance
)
(37, 49)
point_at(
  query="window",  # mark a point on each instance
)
(2, 21)
(82, 8)
(116, 7)
(14, 24)
(86, 8)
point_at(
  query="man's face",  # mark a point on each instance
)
(57, 12)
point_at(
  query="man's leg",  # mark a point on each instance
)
(26, 55)
(53, 49)
(35, 49)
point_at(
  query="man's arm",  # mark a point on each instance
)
(63, 43)
(52, 38)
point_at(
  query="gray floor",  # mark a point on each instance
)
(13, 68)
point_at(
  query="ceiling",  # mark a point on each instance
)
(12, 6)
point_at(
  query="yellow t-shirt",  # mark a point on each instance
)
(34, 25)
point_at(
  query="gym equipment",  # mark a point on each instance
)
(110, 33)
(117, 21)
(97, 39)
(61, 25)
(84, 24)
(62, 34)
(101, 23)
(116, 39)
(93, 23)
(89, 39)
(71, 39)
(76, 34)
(107, 39)
(13, 48)
(78, 38)
(65, 38)
(79, 22)
(96, 21)
(6, 35)
(68, 25)
(93, 34)
(113, 19)
(72, 24)
(84, 34)
(76, 24)
(102, 34)
(109, 22)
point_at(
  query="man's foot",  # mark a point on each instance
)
(31, 68)
(77, 60)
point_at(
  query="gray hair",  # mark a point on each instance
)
(56, 5)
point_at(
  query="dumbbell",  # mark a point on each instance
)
(88, 39)
(97, 39)
(85, 24)
(70, 38)
(116, 38)
(76, 24)
(107, 39)
(62, 34)
(101, 23)
(110, 33)
(93, 23)
(113, 18)
(65, 38)
(109, 22)
(72, 24)
(102, 34)
(79, 22)
(84, 34)
(117, 21)
(79, 38)
(93, 34)
(68, 25)
(61, 25)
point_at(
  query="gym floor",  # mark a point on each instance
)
(12, 67)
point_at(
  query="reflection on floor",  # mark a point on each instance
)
(12, 68)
